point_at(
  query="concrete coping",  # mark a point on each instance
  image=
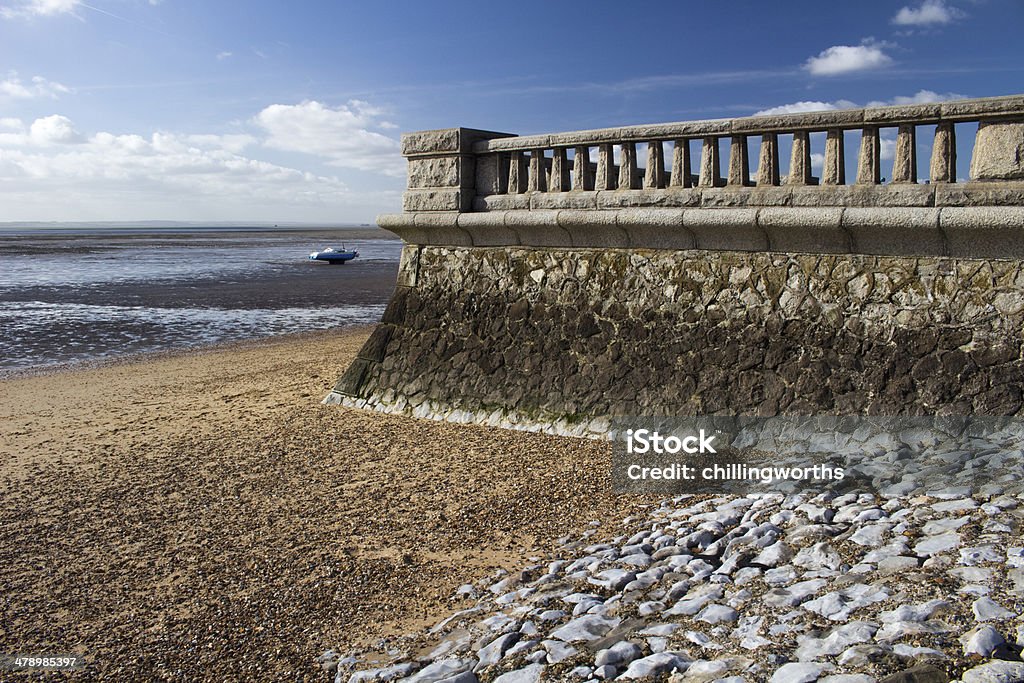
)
(972, 232)
(956, 111)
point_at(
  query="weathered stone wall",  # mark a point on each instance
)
(560, 339)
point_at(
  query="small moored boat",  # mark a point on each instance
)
(332, 255)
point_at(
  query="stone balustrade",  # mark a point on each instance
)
(589, 189)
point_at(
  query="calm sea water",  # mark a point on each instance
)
(77, 295)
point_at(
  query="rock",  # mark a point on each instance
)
(847, 678)
(581, 672)
(802, 672)
(464, 677)
(619, 654)
(557, 651)
(896, 564)
(940, 543)
(838, 640)
(919, 612)
(604, 672)
(911, 652)
(818, 556)
(986, 609)
(923, 673)
(442, 669)
(528, 674)
(615, 579)
(717, 614)
(979, 554)
(983, 640)
(795, 594)
(492, 653)
(653, 665)
(838, 605)
(588, 627)
(995, 672)
(774, 555)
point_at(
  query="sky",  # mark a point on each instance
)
(260, 111)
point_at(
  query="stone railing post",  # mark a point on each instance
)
(869, 171)
(943, 164)
(800, 159)
(768, 162)
(904, 166)
(834, 170)
(605, 168)
(654, 176)
(442, 169)
(710, 164)
(518, 173)
(559, 171)
(582, 175)
(739, 164)
(538, 172)
(680, 164)
(629, 179)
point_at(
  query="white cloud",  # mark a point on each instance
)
(806, 106)
(39, 8)
(14, 87)
(930, 12)
(920, 97)
(341, 134)
(106, 175)
(223, 55)
(53, 130)
(841, 59)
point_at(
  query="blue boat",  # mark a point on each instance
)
(332, 255)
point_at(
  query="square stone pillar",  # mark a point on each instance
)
(442, 169)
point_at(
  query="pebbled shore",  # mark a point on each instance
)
(841, 589)
(201, 517)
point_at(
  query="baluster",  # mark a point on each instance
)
(582, 175)
(680, 164)
(768, 162)
(904, 166)
(654, 177)
(710, 167)
(501, 176)
(538, 172)
(559, 171)
(629, 178)
(800, 159)
(834, 171)
(517, 173)
(605, 168)
(869, 169)
(739, 164)
(943, 166)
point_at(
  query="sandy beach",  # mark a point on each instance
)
(200, 516)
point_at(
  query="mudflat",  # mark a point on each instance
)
(201, 516)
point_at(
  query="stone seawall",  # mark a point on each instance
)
(559, 339)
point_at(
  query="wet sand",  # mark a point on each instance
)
(200, 516)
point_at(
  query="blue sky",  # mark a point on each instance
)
(274, 111)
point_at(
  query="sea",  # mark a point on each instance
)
(73, 295)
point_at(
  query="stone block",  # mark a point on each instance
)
(998, 152)
(488, 229)
(403, 225)
(907, 113)
(725, 229)
(445, 140)
(984, 232)
(563, 200)
(502, 202)
(593, 228)
(655, 229)
(538, 228)
(444, 171)
(982, 107)
(903, 231)
(452, 199)
(409, 266)
(989, 193)
(805, 230)
(621, 199)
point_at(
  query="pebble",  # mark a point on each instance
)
(802, 672)
(659, 663)
(986, 609)
(995, 672)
